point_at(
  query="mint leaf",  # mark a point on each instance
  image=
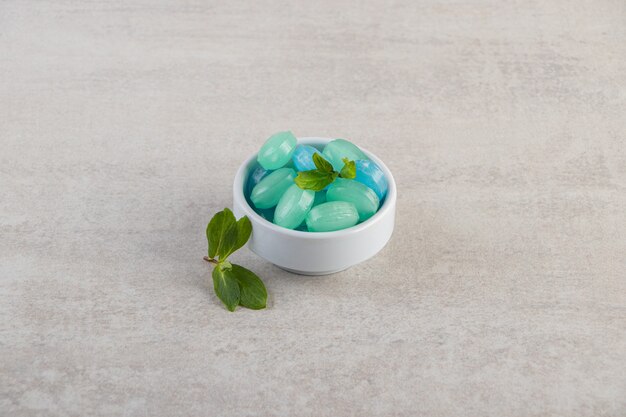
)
(349, 169)
(226, 287)
(233, 284)
(322, 164)
(253, 294)
(234, 237)
(244, 229)
(228, 243)
(314, 179)
(320, 178)
(220, 225)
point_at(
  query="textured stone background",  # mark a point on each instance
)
(502, 292)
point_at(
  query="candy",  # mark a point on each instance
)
(335, 215)
(337, 149)
(257, 174)
(293, 207)
(364, 198)
(269, 190)
(369, 174)
(277, 150)
(303, 157)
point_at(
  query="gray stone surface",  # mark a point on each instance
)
(502, 292)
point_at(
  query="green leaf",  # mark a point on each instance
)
(244, 229)
(218, 228)
(252, 289)
(349, 169)
(229, 242)
(314, 179)
(234, 284)
(226, 287)
(322, 164)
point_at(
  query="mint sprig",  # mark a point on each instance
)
(349, 169)
(233, 284)
(321, 163)
(315, 180)
(324, 174)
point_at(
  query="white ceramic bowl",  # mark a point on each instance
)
(318, 253)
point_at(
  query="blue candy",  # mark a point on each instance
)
(368, 173)
(256, 175)
(303, 157)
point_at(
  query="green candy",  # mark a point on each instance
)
(293, 207)
(338, 149)
(269, 190)
(277, 150)
(335, 215)
(364, 198)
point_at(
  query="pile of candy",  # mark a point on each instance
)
(272, 191)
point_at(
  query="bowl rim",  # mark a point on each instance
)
(388, 205)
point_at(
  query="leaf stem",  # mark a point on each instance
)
(213, 261)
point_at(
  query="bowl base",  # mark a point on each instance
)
(309, 273)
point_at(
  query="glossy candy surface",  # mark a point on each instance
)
(269, 190)
(303, 157)
(364, 198)
(338, 149)
(369, 174)
(276, 152)
(257, 174)
(335, 215)
(293, 207)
